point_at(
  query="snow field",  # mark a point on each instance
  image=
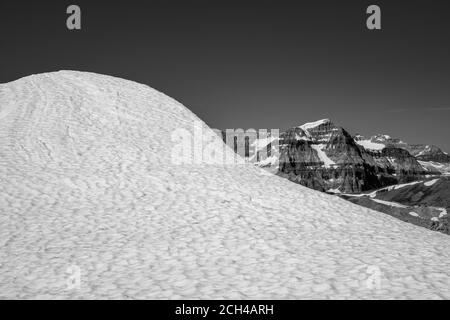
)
(87, 181)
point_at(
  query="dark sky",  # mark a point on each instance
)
(255, 63)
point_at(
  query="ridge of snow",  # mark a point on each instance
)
(301, 138)
(399, 186)
(431, 182)
(311, 125)
(88, 184)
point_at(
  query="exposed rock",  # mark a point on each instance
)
(323, 156)
(425, 203)
(429, 153)
(327, 159)
(421, 152)
(399, 163)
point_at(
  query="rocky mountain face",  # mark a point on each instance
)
(399, 163)
(429, 153)
(422, 152)
(433, 167)
(325, 157)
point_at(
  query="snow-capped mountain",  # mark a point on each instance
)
(422, 152)
(329, 159)
(95, 204)
(325, 157)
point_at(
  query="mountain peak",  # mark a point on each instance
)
(310, 125)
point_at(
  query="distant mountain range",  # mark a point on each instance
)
(422, 152)
(326, 157)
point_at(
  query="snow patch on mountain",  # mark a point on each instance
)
(367, 144)
(269, 161)
(311, 125)
(389, 203)
(261, 143)
(322, 155)
(431, 182)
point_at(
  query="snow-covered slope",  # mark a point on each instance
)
(88, 181)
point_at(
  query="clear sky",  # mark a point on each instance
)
(255, 63)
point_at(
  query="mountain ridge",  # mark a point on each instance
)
(324, 156)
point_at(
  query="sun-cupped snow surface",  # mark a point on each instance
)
(94, 205)
(368, 144)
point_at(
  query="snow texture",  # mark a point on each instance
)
(87, 184)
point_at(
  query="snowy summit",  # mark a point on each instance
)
(314, 124)
(89, 190)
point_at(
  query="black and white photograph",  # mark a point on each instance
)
(193, 150)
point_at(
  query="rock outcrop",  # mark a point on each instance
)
(324, 157)
(399, 163)
(422, 152)
(429, 153)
